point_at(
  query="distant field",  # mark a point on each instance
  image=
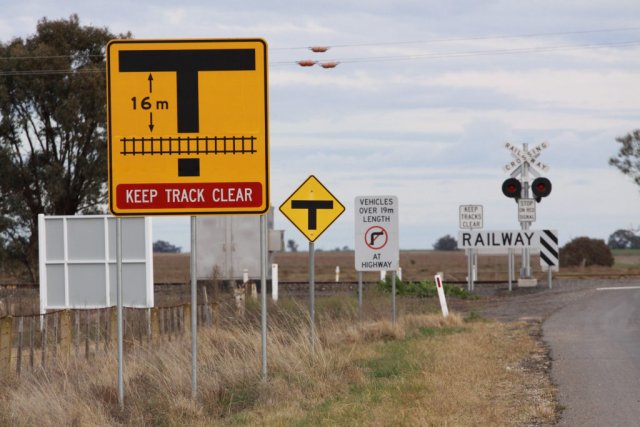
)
(416, 265)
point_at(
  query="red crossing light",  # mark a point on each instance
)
(512, 188)
(541, 187)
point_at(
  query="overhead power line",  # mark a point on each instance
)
(331, 63)
(431, 55)
(463, 39)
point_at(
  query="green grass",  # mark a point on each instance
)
(391, 375)
(423, 289)
(625, 252)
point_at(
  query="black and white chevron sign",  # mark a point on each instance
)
(549, 250)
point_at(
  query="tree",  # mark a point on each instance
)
(624, 239)
(52, 130)
(446, 243)
(628, 158)
(162, 246)
(585, 251)
(292, 245)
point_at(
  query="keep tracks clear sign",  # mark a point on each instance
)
(376, 233)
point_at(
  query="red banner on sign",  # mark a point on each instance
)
(189, 196)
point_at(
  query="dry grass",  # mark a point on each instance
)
(424, 370)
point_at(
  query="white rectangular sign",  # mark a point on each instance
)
(78, 262)
(376, 233)
(471, 216)
(482, 239)
(526, 210)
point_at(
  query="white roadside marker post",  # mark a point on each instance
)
(443, 300)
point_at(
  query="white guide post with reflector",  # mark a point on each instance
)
(443, 300)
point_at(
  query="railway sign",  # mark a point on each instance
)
(484, 239)
(187, 127)
(528, 156)
(312, 208)
(376, 233)
(471, 216)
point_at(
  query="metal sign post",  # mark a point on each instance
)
(312, 297)
(263, 291)
(194, 312)
(119, 313)
(510, 268)
(393, 296)
(360, 295)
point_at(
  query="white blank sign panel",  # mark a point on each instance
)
(78, 262)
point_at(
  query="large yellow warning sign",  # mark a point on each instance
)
(312, 208)
(187, 127)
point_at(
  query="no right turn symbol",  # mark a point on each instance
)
(376, 237)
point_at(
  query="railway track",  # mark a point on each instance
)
(349, 284)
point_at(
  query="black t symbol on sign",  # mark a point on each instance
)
(312, 207)
(186, 64)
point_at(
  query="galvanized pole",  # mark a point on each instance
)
(510, 267)
(473, 269)
(194, 313)
(526, 265)
(263, 291)
(312, 297)
(549, 276)
(119, 312)
(360, 295)
(393, 294)
(469, 269)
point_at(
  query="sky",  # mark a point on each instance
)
(422, 102)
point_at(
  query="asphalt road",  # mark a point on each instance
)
(595, 349)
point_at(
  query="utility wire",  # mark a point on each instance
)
(391, 43)
(514, 51)
(473, 38)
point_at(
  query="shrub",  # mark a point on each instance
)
(423, 289)
(585, 251)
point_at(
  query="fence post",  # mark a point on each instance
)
(6, 325)
(186, 315)
(113, 325)
(32, 325)
(147, 317)
(155, 326)
(65, 334)
(45, 320)
(19, 355)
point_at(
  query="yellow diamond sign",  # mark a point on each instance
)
(312, 208)
(187, 126)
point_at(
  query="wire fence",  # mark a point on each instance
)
(34, 341)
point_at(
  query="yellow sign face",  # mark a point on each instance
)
(187, 127)
(312, 208)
